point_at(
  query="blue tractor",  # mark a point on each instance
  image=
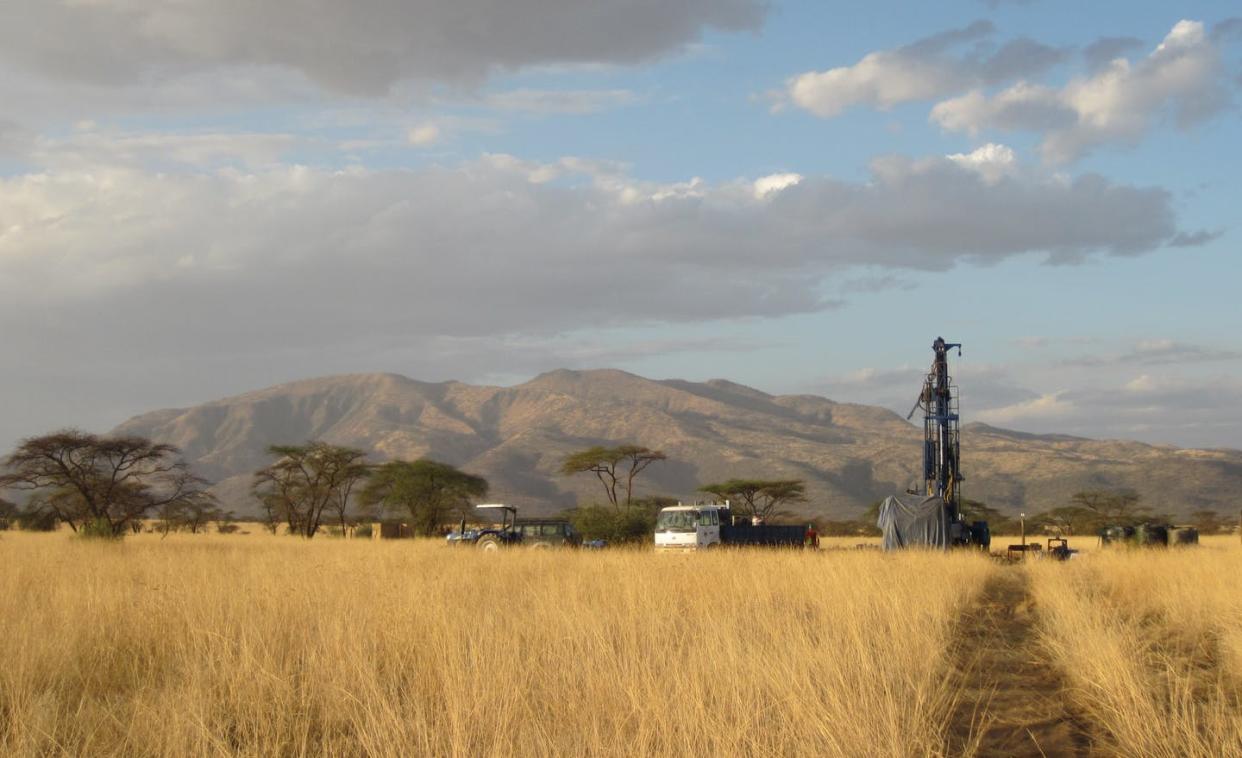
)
(533, 532)
(490, 537)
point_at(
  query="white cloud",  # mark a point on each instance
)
(571, 102)
(924, 70)
(993, 162)
(1141, 383)
(423, 135)
(1184, 78)
(163, 279)
(86, 148)
(359, 47)
(766, 185)
(97, 228)
(1162, 351)
(1052, 405)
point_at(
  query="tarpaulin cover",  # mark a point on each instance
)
(907, 523)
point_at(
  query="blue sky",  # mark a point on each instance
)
(198, 199)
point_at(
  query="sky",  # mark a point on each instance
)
(204, 197)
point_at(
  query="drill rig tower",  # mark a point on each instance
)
(942, 446)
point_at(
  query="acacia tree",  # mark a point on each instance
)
(1108, 507)
(306, 480)
(759, 497)
(105, 483)
(1208, 521)
(1066, 520)
(191, 517)
(429, 490)
(613, 466)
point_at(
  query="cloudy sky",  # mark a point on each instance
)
(203, 197)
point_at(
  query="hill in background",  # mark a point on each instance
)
(849, 455)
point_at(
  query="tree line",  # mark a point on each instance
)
(107, 486)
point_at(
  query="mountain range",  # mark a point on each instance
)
(849, 455)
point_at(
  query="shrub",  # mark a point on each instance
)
(36, 520)
(616, 525)
(98, 529)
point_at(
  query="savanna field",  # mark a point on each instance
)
(259, 645)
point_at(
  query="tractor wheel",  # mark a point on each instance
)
(489, 542)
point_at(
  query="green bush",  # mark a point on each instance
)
(36, 520)
(616, 525)
(98, 529)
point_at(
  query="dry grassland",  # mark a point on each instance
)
(1151, 644)
(201, 645)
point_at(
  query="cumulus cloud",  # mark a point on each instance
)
(504, 223)
(1105, 50)
(571, 102)
(992, 162)
(1203, 412)
(1053, 405)
(1195, 238)
(169, 277)
(423, 135)
(1153, 352)
(360, 47)
(927, 69)
(1184, 78)
(766, 185)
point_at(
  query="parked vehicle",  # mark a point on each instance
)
(697, 527)
(535, 532)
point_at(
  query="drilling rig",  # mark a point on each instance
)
(942, 447)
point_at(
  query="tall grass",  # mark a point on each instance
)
(1151, 642)
(274, 646)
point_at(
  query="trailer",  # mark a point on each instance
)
(700, 527)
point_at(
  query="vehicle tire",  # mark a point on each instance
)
(489, 542)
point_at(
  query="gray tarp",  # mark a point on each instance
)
(906, 523)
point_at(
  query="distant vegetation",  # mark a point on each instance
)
(431, 493)
(762, 498)
(614, 467)
(108, 486)
(102, 486)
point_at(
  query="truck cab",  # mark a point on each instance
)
(688, 527)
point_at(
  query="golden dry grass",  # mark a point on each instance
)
(201, 645)
(1151, 644)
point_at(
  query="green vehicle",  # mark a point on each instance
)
(548, 532)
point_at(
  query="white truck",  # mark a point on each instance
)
(696, 527)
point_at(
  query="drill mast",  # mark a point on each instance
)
(941, 440)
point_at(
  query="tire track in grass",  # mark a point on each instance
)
(1011, 702)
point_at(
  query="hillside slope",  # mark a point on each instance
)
(517, 436)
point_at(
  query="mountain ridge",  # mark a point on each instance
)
(849, 454)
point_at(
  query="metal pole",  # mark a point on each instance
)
(1023, 529)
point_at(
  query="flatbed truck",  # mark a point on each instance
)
(701, 527)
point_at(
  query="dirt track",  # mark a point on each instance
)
(1012, 703)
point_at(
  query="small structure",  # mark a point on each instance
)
(1149, 535)
(391, 530)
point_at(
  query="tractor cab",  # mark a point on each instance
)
(502, 534)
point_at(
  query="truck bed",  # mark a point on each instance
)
(768, 534)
